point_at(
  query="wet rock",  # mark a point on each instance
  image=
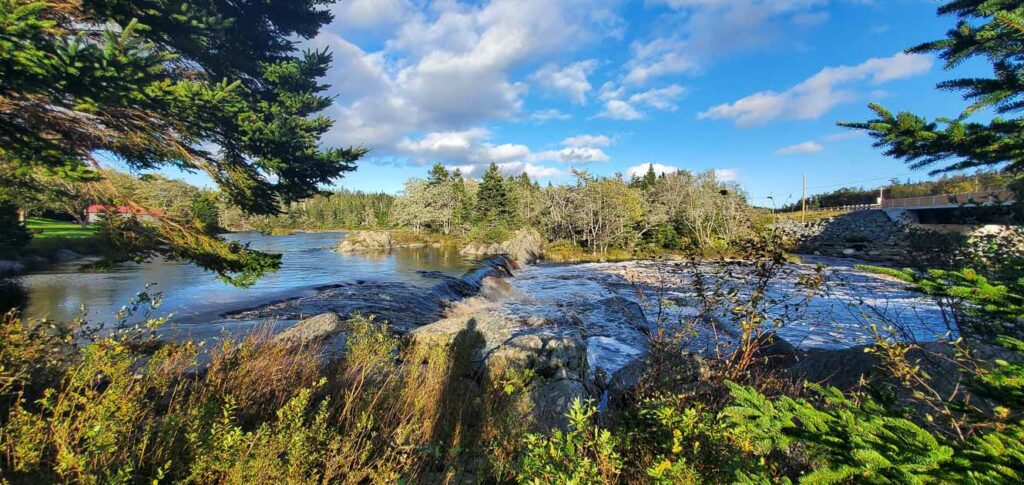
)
(359, 241)
(312, 329)
(8, 267)
(64, 256)
(629, 311)
(553, 353)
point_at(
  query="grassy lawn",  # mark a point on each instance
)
(51, 229)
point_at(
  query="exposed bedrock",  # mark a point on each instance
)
(524, 247)
(402, 305)
(555, 352)
(366, 241)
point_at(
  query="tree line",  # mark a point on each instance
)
(666, 211)
(981, 181)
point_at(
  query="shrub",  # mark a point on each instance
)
(489, 233)
(583, 454)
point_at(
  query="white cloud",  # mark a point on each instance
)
(535, 171)
(508, 168)
(804, 148)
(657, 58)
(659, 168)
(727, 174)
(659, 98)
(617, 109)
(370, 15)
(550, 114)
(471, 151)
(587, 141)
(705, 29)
(460, 146)
(570, 81)
(662, 98)
(449, 66)
(572, 155)
(820, 93)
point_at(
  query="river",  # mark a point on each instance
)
(198, 299)
(412, 287)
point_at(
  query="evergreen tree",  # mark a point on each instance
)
(493, 202)
(650, 178)
(464, 210)
(438, 174)
(988, 29)
(154, 83)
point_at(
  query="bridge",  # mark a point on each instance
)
(929, 208)
(924, 208)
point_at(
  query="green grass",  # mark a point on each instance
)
(52, 229)
(50, 236)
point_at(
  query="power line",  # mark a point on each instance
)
(841, 184)
(860, 181)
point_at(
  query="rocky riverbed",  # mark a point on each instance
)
(581, 326)
(614, 307)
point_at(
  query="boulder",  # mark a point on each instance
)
(626, 378)
(8, 267)
(552, 401)
(358, 241)
(312, 329)
(492, 329)
(526, 246)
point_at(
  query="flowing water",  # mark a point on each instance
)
(616, 304)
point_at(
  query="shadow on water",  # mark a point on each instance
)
(12, 295)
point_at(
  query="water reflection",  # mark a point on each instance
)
(63, 291)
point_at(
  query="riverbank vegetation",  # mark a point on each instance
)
(119, 406)
(82, 404)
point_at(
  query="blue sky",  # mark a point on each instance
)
(751, 88)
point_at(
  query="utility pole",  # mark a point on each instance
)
(803, 201)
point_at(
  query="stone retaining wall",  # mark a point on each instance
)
(869, 235)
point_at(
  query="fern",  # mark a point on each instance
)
(846, 441)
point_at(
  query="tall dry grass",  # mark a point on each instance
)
(253, 410)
